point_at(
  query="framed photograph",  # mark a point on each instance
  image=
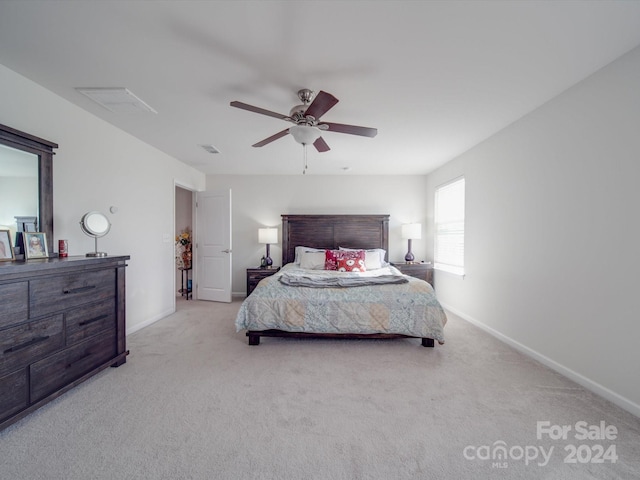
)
(6, 250)
(35, 245)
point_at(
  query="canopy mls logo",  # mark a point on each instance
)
(500, 454)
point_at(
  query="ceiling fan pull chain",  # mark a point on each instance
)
(304, 170)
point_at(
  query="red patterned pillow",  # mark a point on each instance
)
(351, 265)
(332, 257)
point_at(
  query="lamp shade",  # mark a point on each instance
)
(267, 235)
(304, 134)
(412, 231)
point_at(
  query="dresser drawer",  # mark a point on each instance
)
(56, 371)
(13, 303)
(22, 344)
(13, 393)
(86, 321)
(68, 291)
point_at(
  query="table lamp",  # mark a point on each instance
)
(268, 236)
(411, 231)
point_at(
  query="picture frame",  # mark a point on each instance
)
(35, 245)
(6, 249)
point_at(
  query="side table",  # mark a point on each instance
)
(185, 287)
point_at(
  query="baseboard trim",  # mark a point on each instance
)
(589, 384)
(150, 321)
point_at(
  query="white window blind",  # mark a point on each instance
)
(449, 220)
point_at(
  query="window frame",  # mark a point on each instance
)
(454, 261)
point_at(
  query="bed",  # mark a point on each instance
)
(303, 299)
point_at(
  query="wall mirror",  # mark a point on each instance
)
(96, 225)
(30, 159)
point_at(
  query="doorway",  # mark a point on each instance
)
(183, 226)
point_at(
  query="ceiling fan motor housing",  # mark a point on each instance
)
(297, 112)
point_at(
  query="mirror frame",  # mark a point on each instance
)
(84, 224)
(44, 150)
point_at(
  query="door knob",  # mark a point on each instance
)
(227, 250)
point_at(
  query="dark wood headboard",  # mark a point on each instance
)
(332, 232)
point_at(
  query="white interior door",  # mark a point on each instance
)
(213, 246)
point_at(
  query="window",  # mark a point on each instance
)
(449, 220)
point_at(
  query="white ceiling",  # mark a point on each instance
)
(435, 78)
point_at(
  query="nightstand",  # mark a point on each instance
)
(254, 275)
(423, 271)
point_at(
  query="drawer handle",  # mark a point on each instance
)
(96, 319)
(33, 341)
(68, 291)
(86, 355)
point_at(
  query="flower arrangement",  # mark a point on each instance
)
(183, 249)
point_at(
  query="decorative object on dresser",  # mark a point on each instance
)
(62, 320)
(35, 245)
(6, 249)
(254, 275)
(95, 224)
(411, 231)
(267, 236)
(423, 271)
(23, 224)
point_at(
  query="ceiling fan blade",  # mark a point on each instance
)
(272, 138)
(321, 145)
(351, 129)
(321, 104)
(251, 108)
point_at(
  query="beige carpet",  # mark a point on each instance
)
(194, 401)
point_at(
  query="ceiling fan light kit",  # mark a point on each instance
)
(305, 134)
(307, 128)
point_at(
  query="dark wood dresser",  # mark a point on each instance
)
(62, 320)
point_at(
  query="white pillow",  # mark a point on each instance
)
(374, 257)
(312, 260)
(372, 260)
(299, 250)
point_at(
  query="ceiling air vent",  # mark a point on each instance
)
(210, 149)
(117, 100)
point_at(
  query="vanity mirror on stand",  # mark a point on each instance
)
(96, 225)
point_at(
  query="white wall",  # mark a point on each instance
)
(551, 233)
(259, 200)
(98, 166)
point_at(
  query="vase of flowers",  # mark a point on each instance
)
(183, 249)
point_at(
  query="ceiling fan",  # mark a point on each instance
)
(307, 128)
